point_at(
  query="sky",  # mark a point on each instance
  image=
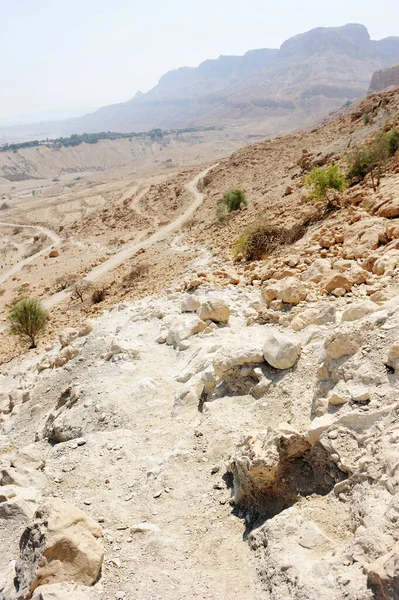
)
(62, 57)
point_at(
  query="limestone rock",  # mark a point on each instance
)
(215, 310)
(67, 336)
(280, 350)
(383, 576)
(335, 280)
(61, 591)
(313, 316)
(184, 327)
(358, 311)
(343, 343)
(317, 270)
(61, 544)
(190, 304)
(291, 291)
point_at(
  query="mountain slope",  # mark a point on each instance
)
(311, 74)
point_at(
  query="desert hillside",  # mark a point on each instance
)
(223, 422)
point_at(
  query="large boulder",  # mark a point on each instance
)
(334, 280)
(214, 310)
(317, 270)
(61, 544)
(280, 350)
(289, 290)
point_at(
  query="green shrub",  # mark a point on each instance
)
(393, 141)
(233, 200)
(27, 319)
(258, 240)
(323, 179)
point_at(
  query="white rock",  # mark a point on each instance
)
(190, 304)
(215, 310)
(358, 311)
(280, 350)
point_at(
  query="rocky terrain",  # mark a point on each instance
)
(265, 92)
(226, 428)
(385, 79)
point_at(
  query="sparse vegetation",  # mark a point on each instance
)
(81, 289)
(371, 157)
(221, 212)
(366, 117)
(64, 281)
(234, 200)
(137, 272)
(258, 240)
(98, 295)
(27, 320)
(323, 179)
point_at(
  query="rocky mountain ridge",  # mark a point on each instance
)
(266, 91)
(385, 79)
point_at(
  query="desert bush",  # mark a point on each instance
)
(321, 180)
(27, 319)
(64, 281)
(260, 239)
(221, 212)
(136, 273)
(371, 157)
(393, 141)
(366, 117)
(98, 295)
(81, 289)
(234, 200)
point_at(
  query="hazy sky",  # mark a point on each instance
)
(73, 54)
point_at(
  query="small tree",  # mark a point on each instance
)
(321, 180)
(82, 288)
(27, 319)
(234, 200)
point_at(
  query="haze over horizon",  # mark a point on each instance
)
(65, 56)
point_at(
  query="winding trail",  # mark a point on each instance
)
(128, 250)
(55, 239)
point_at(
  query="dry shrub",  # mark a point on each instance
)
(98, 295)
(259, 240)
(137, 272)
(64, 281)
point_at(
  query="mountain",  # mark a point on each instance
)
(264, 92)
(276, 90)
(385, 79)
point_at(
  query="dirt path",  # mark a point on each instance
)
(55, 239)
(127, 251)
